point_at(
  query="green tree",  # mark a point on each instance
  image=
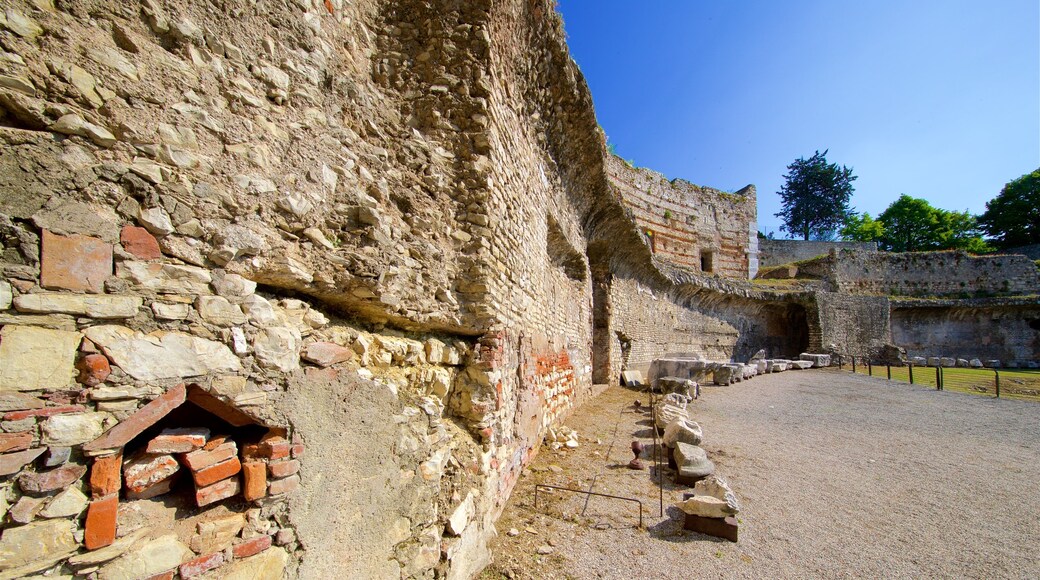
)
(912, 225)
(815, 197)
(862, 228)
(1013, 217)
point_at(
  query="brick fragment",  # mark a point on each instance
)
(101, 522)
(74, 262)
(201, 565)
(139, 242)
(326, 354)
(15, 441)
(178, 440)
(287, 485)
(142, 470)
(218, 472)
(280, 469)
(251, 547)
(296, 450)
(201, 459)
(201, 398)
(44, 412)
(142, 419)
(216, 441)
(106, 475)
(167, 575)
(53, 480)
(216, 492)
(254, 474)
(93, 369)
(156, 489)
(274, 445)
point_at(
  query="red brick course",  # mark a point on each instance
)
(215, 473)
(178, 441)
(106, 475)
(143, 470)
(153, 489)
(201, 459)
(254, 473)
(142, 419)
(252, 547)
(217, 491)
(201, 565)
(280, 469)
(44, 412)
(287, 485)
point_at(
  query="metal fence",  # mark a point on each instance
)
(1023, 384)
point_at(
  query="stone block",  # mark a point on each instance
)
(215, 532)
(101, 522)
(39, 542)
(45, 482)
(15, 401)
(216, 492)
(34, 359)
(975, 363)
(146, 559)
(69, 503)
(56, 456)
(683, 431)
(252, 547)
(726, 528)
(692, 463)
(962, 363)
(934, 361)
(166, 278)
(219, 311)
(69, 430)
(139, 242)
(15, 441)
(326, 354)
(818, 360)
(103, 306)
(6, 295)
(26, 509)
(685, 387)
(163, 355)
(947, 362)
(11, 463)
(268, 565)
(992, 364)
(919, 361)
(74, 262)
(218, 472)
(723, 375)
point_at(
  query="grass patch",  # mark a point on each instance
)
(1021, 384)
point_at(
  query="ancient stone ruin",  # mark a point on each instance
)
(298, 288)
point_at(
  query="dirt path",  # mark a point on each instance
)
(838, 475)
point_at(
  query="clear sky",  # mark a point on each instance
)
(935, 99)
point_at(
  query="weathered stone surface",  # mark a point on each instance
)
(260, 311)
(14, 462)
(15, 401)
(162, 355)
(75, 263)
(975, 363)
(286, 485)
(218, 310)
(34, 359)
(705, 506)
(148, 558)
(326, 354)
(267, 565)
(166, 278)
(460, 517)
(26, 509)
(47, 481)
(103, 306)
(692, 461)
(73, 429)
(683, 431)
(232, 285)
(156, 221)
(801, 364)
(68, 503)
(15, 441)
(947, 362)
(685, 387)
(818, 360)
(278, 348)
(216, 533)
(57, 456)
(717, 487)
(164, 311)
(724, 375)
(6, 295)
(111, 552)
(668, 411)
(37, 543)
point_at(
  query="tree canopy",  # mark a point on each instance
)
(1013, 217)
(912, 224)
(815, 197)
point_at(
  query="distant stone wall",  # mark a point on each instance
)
(853, 325)
(1006, 333)
(956, 274)
(692, 226)
(776, 252)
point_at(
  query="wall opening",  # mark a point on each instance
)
(707, 259)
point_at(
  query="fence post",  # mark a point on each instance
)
(911, 369)
(870, 369)
(853, 363)
(938, 378)
(889, 367)
(996, 379)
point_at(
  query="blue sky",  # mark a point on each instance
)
(938, 100)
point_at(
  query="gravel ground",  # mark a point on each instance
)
(838, 476)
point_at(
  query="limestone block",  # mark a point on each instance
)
(818, 360)
(717, 487)
(218, 310)
(762, 366)
(461, 516)
(724, 375)
(267, 565)
(6, 295)
(162, 355)
(947, 362)
(232, 285)
(934, 361)
(68, 503)
(260, 311)
(278, 348)
(73, 429)
(164, 311)
(34, 358)
(147, 559)
(800, 364)
(975, 363)
(156, 221)
(992, 364)
(166, 278)
(40, 543)
(99, 306)
(692, 462)
(919, 361)
(683, 431)
(667, 412)
(704, 506)
(685, 387)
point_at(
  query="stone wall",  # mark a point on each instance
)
(853, 325)
(777, 252)
(934, 274)
(971, 329)
(700, 228)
